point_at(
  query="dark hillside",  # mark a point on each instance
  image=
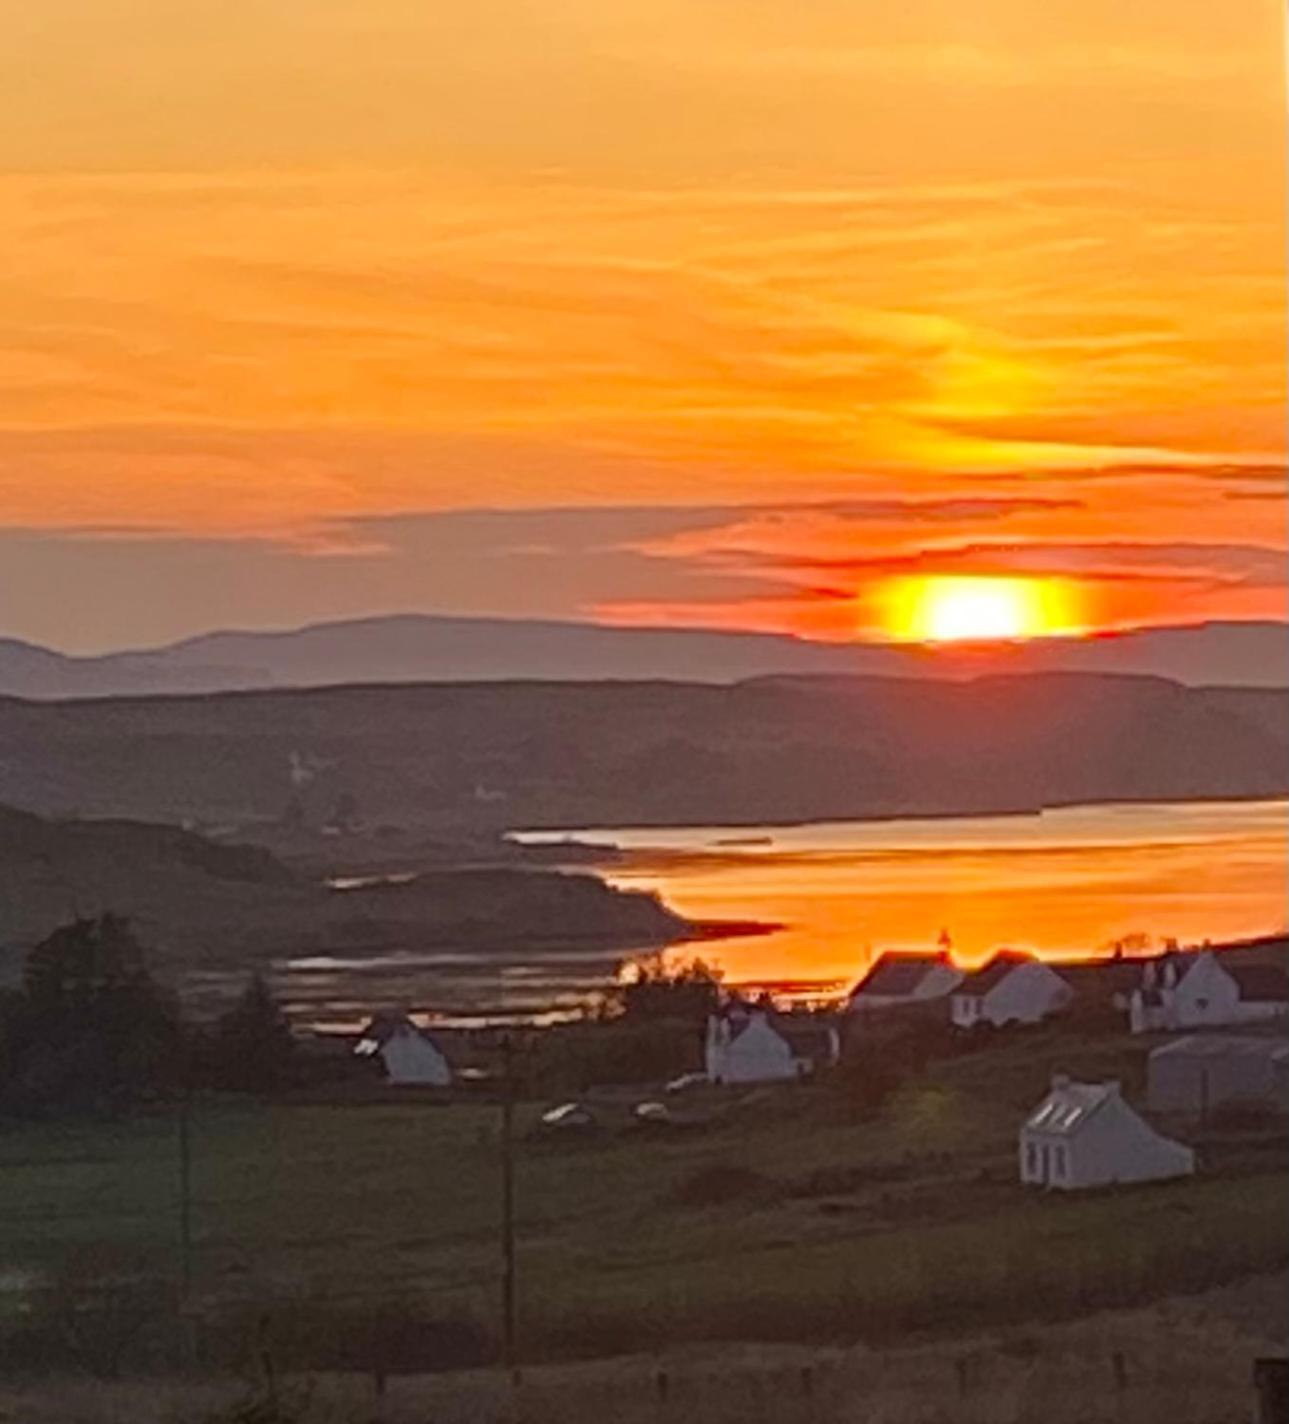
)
(491, 755)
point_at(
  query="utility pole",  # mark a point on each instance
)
(508, 1283)
(185, 1190)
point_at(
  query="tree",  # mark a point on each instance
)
(91, 1027)
(252, 1050)
(688, 992)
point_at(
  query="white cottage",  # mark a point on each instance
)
(898, 979)
(408, 1054)
(1011, 988)
(1086, 1135)
(751, 1045)
(1206, 990)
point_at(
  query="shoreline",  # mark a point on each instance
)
(570, 833)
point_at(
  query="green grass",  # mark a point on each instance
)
(844, 1230)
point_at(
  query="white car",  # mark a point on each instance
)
(653, 1114)
(568, 1116)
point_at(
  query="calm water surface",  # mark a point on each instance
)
(1060, 882)
(1063, 882)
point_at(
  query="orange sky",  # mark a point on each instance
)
(871, 289)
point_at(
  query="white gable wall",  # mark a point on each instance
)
(760, 1054)
(411, 1058)
(1026, 994)
(936, 983)
(1112, 1145)
(1205, 996)
(939, 980)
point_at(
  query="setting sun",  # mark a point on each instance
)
(942, 609)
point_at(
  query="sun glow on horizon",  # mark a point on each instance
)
(956, 609)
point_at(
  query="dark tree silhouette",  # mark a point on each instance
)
(91, 1027)
(252, 1049)
(689, 992)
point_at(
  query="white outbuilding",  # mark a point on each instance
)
(409, 1055)
(1205, 1071)
(1086, 1135)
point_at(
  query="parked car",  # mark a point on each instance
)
(653, 1114)
(569, 1117)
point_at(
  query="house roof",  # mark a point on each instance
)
(806, 1034)
(1260, 983)
(383, 1027)
(810, 1035)
(1224, 1045)
(898, 975)
(1069, 1106)
(1102, 976)
(982, 980)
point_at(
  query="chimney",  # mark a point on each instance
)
(1060, 1081)
(1113, 1087)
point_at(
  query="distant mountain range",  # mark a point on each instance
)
(418, 648)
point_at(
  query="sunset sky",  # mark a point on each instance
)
(724, 312)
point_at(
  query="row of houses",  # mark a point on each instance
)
(1082, 1135)
(1179, 990)
(1201, 990)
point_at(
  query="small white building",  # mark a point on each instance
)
(898, 979)
(408, 1054)
(1204, 1071)
(753, 1045)
(1086, 1135)
(1011, 988)
(1206, 990)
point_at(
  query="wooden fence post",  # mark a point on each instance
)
(1271, 1380)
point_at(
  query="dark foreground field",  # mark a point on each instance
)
(1185, 1360)
(364, 1239)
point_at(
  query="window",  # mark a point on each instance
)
(1058, 1162)
(1031, 1161)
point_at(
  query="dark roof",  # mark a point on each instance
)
(806, 1033)
(810, 1035)
(1224, 1045)
(1260, 983)
(897, 974)
(982, 980)
(386, 1024)
(1271, 949)
(1102, 976)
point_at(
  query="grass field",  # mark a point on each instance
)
(1182, 1361)
(783, 1221)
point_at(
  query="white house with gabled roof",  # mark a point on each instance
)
(1086, 1135)
(409, 1055)
(1207, 990)
(1011, 988)
(899, 978)
(747, 1044)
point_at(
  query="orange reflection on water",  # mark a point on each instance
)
(1061, 882)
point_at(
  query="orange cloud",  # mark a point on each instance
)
(265, 267)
